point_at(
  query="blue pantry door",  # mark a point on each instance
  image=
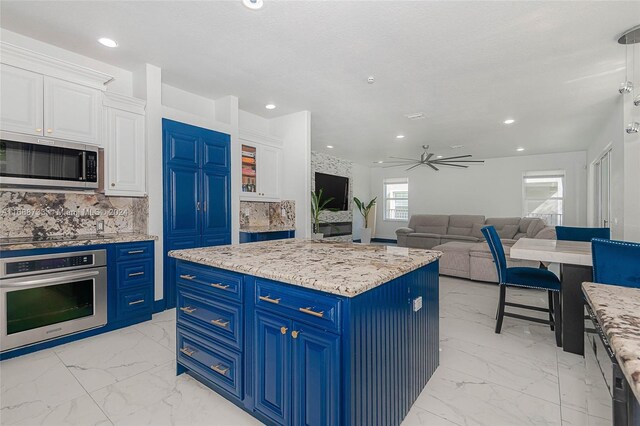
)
(197, 193)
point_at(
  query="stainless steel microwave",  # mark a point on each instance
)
(44, 162)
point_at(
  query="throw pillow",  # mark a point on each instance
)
(535, 227)
(508, 232)
(476, 230)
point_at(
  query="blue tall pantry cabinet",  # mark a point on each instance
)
(197, 193)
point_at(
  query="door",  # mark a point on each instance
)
(125, 150)
(602, 169)
(316, 376)
(71, 111)
(272, 367)
(269, 172)
(21, 99)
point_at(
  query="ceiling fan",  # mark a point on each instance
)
(427, 159)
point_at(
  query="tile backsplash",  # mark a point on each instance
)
(36, 214)
(255, 213)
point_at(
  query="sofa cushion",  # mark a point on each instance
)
(482, 250)
(476, 230)
(468, 239)
(534, 228)
(422, 240)
(507, 232)
(404, 231)
(429, 223)
(456, 246)
(500, 222)
(463, 224)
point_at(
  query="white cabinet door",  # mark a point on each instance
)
(125, 162)
(269, 171)
(71, 111)
(21, 99)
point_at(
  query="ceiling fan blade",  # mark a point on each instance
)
(452, 165)
(398, 161)
(458, 161)
(398, 165)
(429, 157)
(413, 167)
(402, 158)
(457, 156)
(433, 167)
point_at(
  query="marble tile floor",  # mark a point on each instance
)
(127, 377)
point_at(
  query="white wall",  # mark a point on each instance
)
(631, 171)
(611, 136)
(493, 189)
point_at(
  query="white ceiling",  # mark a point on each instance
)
(552, 66)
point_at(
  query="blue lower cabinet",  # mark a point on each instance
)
(272, 368)
(254, 237)
(316, 376)
(134, 281)
(295, 356)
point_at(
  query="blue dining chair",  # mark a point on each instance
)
(574, 233)
(616, 262)
(537, 278)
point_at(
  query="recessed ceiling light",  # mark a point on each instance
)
(509, 121)
(456, 146)
(330, 146)
(270, 106)
(380, 162)
(400, 137)
(415, 116)
(520, 149)
(253, 4)
(438, 156)
(107, 42)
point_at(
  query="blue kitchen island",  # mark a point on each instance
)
(300, 332)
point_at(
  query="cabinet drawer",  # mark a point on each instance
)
(217, 364)
(135, 273)
(135, 302)
(221, 321)
(131, 251)
(303, 305)
(214, 281)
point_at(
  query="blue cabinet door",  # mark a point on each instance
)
(272, 383)
(183, 213)
(216, 149)
(216, 203)
(316, 376)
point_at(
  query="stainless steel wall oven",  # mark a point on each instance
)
(48, 296)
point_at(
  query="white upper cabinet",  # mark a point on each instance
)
(124, 146)
(21, 100)
(71, 111)
(261, 174)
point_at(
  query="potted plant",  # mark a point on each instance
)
(318, 205)
(365, 237)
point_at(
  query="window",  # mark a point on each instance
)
(543, 196)
(396, 199)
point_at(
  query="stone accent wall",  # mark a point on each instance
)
(256, 213)
(39, 214)
(323, 163)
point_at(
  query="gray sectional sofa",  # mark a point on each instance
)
(466, 254)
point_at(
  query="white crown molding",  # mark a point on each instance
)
(251, 136)
(32, 61)
(125, 103)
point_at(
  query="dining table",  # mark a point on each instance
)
(576, 267)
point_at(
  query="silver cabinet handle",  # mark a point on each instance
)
(136, 302)
(135, 251)
(136, 274)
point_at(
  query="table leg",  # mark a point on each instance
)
(573, 306)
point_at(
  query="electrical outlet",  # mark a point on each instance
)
(417, 304)
(100, 226)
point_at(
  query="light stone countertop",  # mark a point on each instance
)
(266, 228)
(11, 244)
(345, 269)
(618, 311)
(542, 250)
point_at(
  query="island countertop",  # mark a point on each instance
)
(340, 268)
(618, 311)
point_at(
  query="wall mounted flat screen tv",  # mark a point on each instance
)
(336, 187)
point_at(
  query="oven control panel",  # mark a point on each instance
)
(25, 266)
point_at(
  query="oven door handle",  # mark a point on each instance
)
(65, 278)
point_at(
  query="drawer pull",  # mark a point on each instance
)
(270, 300)
(188, 309)
(310, 311)
(136, 274)
(187, 277)
(220, 323)
(135, 251)
(136, 302)
(220, 369)
(187, 351)
(220, 286)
